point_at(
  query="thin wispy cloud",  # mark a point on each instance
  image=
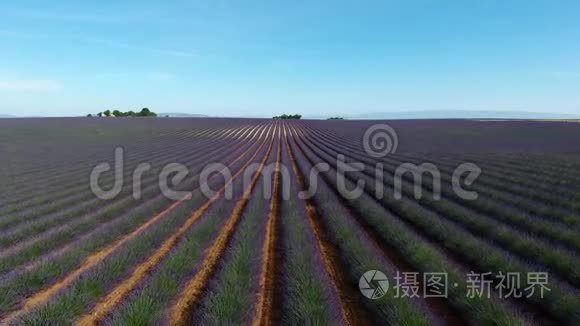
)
(128, 46)
(113, 75)
(29, 85)
(173, 53)
(564, 74)
(158, 76)
(106, 42)
(75, 16)
(14, 34)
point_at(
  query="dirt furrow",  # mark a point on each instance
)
(351, 312)
(438, 306)
(266, 313)
(181, 311)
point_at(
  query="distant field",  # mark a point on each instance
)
(265, 256)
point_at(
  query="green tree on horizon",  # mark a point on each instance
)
(145, 112)
(286, 116)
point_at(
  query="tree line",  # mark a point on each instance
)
(145, 112)
(286, 116)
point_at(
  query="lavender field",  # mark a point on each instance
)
(254, 251)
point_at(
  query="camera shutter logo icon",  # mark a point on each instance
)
(373, 284)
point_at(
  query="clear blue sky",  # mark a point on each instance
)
(258, 58)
